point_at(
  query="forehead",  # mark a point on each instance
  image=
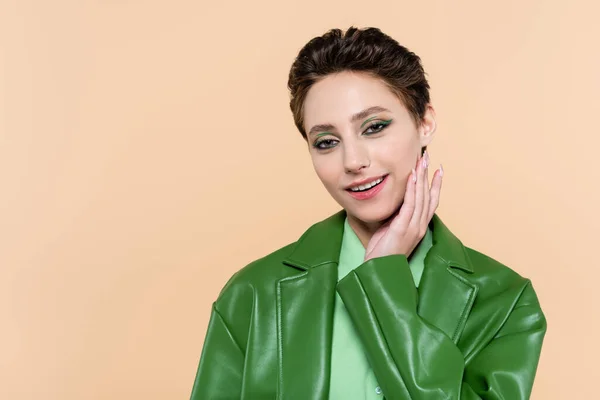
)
(337, 96)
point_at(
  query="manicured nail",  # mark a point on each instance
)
(414, 175)
(425, 159)
(441, 170)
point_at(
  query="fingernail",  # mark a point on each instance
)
(414, 175)
(425, 159)
(441, 170)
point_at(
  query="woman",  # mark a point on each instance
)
(380, 300)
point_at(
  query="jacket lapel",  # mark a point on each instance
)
(446, 293)
(305, 304)
(305, 301)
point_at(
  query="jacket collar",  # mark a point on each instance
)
(305, 302)
(321, 244)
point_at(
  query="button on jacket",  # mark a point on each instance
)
(472, 330)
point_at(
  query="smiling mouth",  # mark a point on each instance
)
(368, 186)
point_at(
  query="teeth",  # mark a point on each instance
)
(367, 186)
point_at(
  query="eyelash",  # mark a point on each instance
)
(383, 124)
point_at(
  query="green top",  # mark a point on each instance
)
(473, 329)
(351, 375)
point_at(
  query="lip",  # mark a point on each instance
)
(364, 181)
(368, 194)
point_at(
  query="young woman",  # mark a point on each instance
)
(381, 299)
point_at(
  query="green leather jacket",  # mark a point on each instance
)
(472, 330)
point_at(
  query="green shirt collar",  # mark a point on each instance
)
(352, 253)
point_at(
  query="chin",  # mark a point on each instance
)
(372, 214)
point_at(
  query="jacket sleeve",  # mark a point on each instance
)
(219, 374)
(413, 359)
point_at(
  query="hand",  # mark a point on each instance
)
(403, 232)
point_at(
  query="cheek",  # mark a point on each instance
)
(326, 170)
(398, 162)
(399, 156)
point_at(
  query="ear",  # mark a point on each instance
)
(428, 126)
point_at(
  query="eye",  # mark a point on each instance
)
(377, 127)
(325, 144)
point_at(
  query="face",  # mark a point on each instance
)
(359, 135)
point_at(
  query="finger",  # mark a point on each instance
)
(436, 188)
(400, 222)
(424, 220)
(416, 217)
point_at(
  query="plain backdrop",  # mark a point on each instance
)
(147, 152)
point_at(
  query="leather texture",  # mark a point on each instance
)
(472, 330)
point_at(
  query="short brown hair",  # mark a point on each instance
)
(365, 50)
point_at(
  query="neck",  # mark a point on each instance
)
(365, 230)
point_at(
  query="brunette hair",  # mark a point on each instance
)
(365, 50)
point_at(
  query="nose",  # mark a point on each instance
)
(356, 157)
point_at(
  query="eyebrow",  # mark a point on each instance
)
(356, 117)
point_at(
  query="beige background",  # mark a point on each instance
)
(147, 152)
